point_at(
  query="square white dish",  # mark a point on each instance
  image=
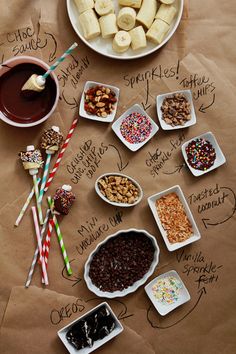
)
(72, 350)
(196, 234)
(164, 309)
(159, 101)
(220, 158)
(116, 127)
(84, 114)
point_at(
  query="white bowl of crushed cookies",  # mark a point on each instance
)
(174, 218)
(175, 110)
(99, 102)
(118, 189)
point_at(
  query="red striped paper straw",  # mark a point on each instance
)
(47, 243)
(54, 170)
(37, 231)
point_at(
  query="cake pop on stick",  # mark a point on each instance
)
(32, 160)
(63, 199)
(50, 142)
(37, 82)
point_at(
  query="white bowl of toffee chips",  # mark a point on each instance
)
(130, 257)
(17, 108)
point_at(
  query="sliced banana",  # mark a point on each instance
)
(132, 3)
(157, 31)
(138, 38)
(126, 18)
(108, 25)
(84, 5)
(121, 41)
(147, 12)
(104, 7)
(89, 24)
(168, 2)
(166, 13)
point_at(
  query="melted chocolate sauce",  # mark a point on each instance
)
(18, 106)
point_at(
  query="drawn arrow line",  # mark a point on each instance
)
(202, 291)
(120, 165)
(73, 279)
(205, 221)
(202, 108)
(52, 55)
(74, 104)
(178, 169)
(123, 312)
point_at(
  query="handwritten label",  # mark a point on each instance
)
(158, 159)
(214, 198)
(86, 161)
(92, 229)
(58, 315)
(25, 40)
(196, 264)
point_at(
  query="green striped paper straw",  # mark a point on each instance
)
(44, 178)
(61, 59)
(25, 206)
(60, 239)
(36, 189)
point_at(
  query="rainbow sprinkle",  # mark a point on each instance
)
(136, 128)
(201, 154)
(167, 290)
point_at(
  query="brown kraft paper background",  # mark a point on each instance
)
(199, 57)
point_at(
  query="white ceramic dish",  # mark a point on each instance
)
(104, 46)
(125, 205)
(196, 234)
(116, 127)
(24, 59)
(164, 125)
(137, 284)
(163, 309)
(84, 114)
(117, 330)
(220, 158)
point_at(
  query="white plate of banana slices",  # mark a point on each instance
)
(125, 29)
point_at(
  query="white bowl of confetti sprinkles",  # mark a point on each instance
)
(135, 128)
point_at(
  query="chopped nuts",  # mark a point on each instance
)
(176, 110)
(99, 101)
(118, 189)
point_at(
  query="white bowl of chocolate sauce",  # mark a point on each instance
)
(17, 108)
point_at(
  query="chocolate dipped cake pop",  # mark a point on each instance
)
(63, 199)
(51, 140)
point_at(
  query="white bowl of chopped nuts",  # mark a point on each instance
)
(175, 110)
(118, 189)
(99, 102)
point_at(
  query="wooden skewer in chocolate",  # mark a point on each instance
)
(37, 82)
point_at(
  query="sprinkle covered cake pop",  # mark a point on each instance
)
(51, 139)
(63, 199)
(32, 158)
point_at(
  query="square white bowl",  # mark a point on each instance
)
(189, 123)
(116, 127)
(152, 204)
(117, 330)
(164, 309)
(84, 114)
(220, 158)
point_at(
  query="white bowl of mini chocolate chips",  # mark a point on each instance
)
(118, 189)
(121, 263)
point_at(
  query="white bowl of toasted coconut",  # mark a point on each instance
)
(118, 189)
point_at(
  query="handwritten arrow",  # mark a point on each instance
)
(123, 314)
(73, 279)
(74, 104)
(146, 105)
(206, 222)
(52, 55)
(178, 169)
(201, 292)
(203, 109)
(121, 166)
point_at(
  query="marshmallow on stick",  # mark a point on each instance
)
(37, 82)
(32, 160)
(63, 199)
(51, 142)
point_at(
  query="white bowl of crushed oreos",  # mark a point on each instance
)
(121, 263)
(118, 189)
